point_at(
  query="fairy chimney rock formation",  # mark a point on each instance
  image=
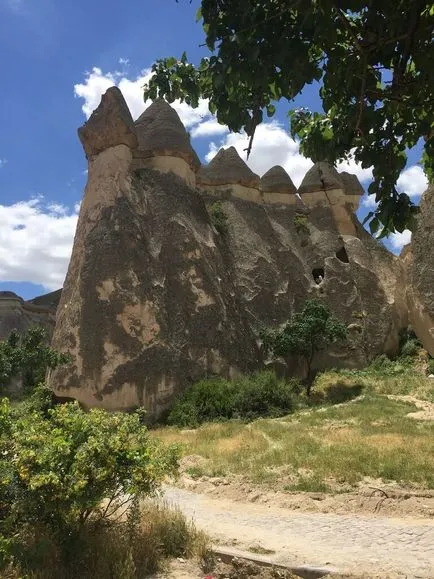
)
(148, 304)
(419, 261)
(163, 142)
(157, 296)
(277, 187)
(227, 171)
(111, 124)
(323, 186)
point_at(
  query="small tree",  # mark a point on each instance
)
(29, 356)
(308, 332)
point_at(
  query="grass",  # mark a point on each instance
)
(126, 550)
(350, 431)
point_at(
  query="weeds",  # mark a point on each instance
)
(129, 549)
(218, 217)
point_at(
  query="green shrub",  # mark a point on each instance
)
(66, 473)
(263, 394)
(205, 400)
(131, 548)
(430, 366)
(246, 398)
(411, 348)
(28, 356)
(384, 366)
(218, 217)
(306, 333)
(300, 224)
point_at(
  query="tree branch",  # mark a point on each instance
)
(362, 95)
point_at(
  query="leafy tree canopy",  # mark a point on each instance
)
(308, 332)
(376, 66)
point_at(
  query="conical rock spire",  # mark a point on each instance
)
(161, 132)
(277, 180)
(227, 168)
(109, 125)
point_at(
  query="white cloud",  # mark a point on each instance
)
(356, 169)
(272, 146)
(369, 202)
(398, 240)
(36, 241)
(97, 82)
(209, 128)
(412, 181)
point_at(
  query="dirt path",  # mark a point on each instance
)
(425, 408)
(345, 543)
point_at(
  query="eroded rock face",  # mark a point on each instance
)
(278, 266)
(149, 304)
(156, 298)
(419, 263)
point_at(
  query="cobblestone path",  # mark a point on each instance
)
(346, 543)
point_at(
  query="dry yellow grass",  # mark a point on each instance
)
(369, 436)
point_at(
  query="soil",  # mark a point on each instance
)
(426, 409)
(371, 497)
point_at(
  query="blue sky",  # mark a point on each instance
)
(57, 58)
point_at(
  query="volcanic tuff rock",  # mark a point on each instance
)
(419, 263)
(17, 314)
(155, 297)
(277, 180)
(226, 168)
(110, 124)
(161, 132)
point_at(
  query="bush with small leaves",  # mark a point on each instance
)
(306, 333)
(249, 397)
(64, 471)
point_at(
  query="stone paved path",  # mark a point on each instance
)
(347, 543)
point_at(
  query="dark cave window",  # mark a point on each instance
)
(342, 255)
(318, 274)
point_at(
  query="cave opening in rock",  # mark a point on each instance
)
(318, 274)
(342, 255)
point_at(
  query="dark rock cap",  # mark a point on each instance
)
(277, 180)
(351, 184)
(320, 177)
(161, 132)
(227, 168)
(109, 125)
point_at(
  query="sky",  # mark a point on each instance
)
(57, 59)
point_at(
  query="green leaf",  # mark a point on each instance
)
(271, 109)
